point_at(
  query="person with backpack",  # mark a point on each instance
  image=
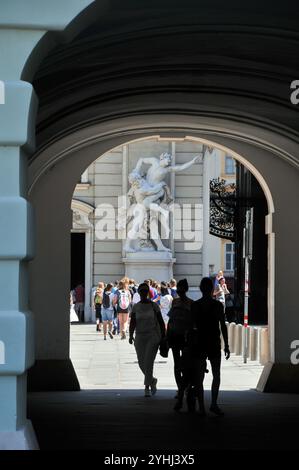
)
(115, 319)
(122, 301)
(98, 299)
(177, 328)
(108, 311)
(173, 288)
(148, 325)
(132, 287)
(165, 302)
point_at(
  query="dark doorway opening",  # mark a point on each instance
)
(230, 202)
(250, 195)
(77, 259)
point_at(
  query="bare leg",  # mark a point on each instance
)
(110, 327)
(105, 328)
(176, 352)
(123, 320)
(215, 364)
(199, 374)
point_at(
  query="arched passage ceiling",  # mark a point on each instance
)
(228, 59)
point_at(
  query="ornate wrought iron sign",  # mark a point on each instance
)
(222, 208)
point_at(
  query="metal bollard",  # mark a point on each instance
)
(238, 340)
(253, 344)
(245, 344)
(264, 346)
(231, 337)
(259, 344)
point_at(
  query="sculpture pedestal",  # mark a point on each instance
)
(143, 265)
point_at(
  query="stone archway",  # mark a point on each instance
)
(256, 121)
(256, 159)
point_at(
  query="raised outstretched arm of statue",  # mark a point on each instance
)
(176, 168)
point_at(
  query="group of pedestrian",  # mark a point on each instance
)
(161, 312)
(193, 333)
(113, 303)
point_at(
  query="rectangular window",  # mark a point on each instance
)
(228, 262)
(229, 256)
(229, 165)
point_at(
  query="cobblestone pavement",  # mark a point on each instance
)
(113, 364)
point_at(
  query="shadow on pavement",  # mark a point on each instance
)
(125, 419)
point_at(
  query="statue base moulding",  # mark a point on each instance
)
(157, 265)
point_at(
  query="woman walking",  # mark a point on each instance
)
(221, 291)
(122, 301)
(148, 325)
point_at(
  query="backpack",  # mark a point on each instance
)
(123, 300)
(106, 300)
(179, 320)
(164, 302)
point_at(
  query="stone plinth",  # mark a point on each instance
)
(143, 265)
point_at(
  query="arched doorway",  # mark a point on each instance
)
(70, 169)
(107, 181)
(108, 184)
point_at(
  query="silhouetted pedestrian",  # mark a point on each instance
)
(178, 325)
(207, 320)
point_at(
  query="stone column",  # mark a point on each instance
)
(16, 248)
(20, 32)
